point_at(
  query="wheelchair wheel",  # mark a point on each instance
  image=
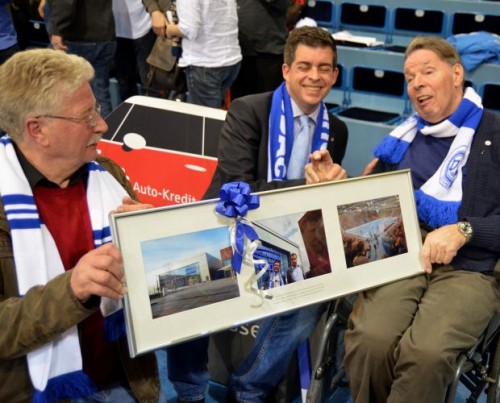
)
(493, 393)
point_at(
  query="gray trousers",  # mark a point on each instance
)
(403, 339)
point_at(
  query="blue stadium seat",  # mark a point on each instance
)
(466, 22)
(490, 93)
(322, 11)
(485, 79)
(363, 138)
(360, 19)
(376, 95)
(408, 22)
(364, 134)
(336, 99)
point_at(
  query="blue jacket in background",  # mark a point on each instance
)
(8, 36)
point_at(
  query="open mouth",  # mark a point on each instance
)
(312, 88)
(93, 142)
(423, 98)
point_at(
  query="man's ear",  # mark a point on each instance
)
(458, 74)
(285, 69)
(34, 129)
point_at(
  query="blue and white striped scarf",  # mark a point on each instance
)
(438, 199)
(55, 368)
(281, 134)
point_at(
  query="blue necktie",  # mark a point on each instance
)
(300, 150)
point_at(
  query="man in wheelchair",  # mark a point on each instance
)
(403, 339)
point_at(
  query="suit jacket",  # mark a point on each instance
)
(243, 145)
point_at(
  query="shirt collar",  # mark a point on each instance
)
(36, 178)
(297, 112)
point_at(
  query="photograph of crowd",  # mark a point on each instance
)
(372, 230)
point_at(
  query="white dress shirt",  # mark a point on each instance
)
(210, 33)
(132, 21)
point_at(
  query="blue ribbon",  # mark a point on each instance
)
(235, 201)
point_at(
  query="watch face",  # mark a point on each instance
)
(465, 228)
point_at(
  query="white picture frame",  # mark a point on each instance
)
(178, 290)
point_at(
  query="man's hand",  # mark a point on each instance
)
(159, 23)
(99, 272)
(57, 42)
(323, 169)
(441, 246)
(369, 167)
(128, 204)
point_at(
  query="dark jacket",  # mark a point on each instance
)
(243, 145)
(82, 20)
(56, 310)
(262, 26)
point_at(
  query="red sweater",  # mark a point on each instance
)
(66, 215)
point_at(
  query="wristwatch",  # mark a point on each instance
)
(465, 229)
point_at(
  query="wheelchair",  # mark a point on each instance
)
(328, 372)
(478, 369)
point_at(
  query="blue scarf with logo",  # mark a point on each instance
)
(281, 133)
(438, 199)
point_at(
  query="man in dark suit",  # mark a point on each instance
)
(258, 146)
(309, 72)
(267, 141)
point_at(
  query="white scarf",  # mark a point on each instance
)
(439, 199)
(55, 368)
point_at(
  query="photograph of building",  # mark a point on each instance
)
(188, 271)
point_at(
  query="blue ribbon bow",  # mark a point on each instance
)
(235, 201)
